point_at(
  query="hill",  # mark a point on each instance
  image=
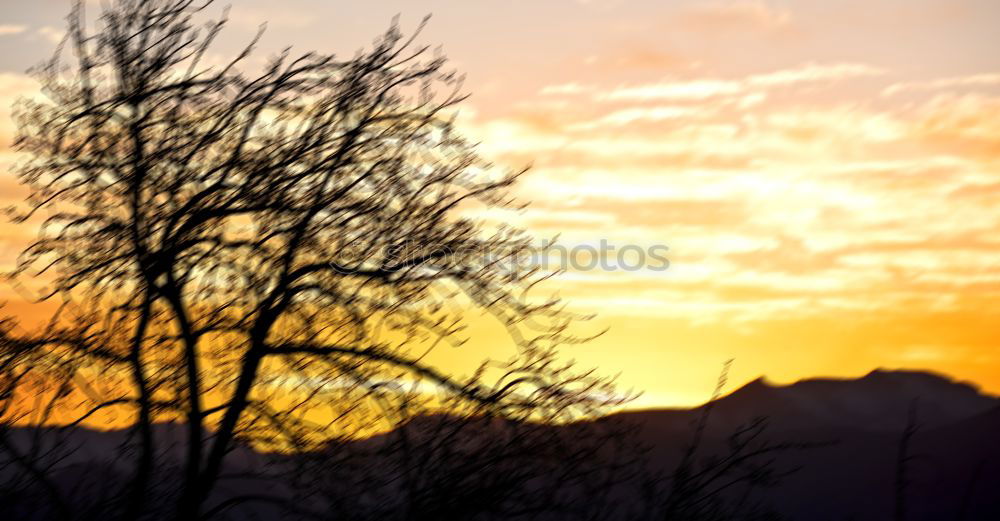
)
(814, 450)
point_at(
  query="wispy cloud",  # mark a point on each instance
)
(632, 115)
(565, 88)
(6, 29)
(815, 72)
(975, 80)
(676, 90)
(701, 89)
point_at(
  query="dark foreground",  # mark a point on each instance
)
(891, 445)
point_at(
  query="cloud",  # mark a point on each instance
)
(925, 354)
(844, 124)
(565, 88)
(968, 123)
(6, 29)
(789, 196)
(812, 202)
(648, 114)
(702, 89)
(814, 72)
(687, 212)
(975, 80)
(684, 90)
(986, 193)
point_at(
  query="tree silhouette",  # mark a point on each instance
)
(262, 257)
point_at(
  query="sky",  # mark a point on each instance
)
(824, 173)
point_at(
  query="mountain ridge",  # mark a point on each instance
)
(852, 429)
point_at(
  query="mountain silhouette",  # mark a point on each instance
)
(955, 467)
(849, 471)
(878, 401)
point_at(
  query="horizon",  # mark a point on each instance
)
(824, 177)
(376, 431)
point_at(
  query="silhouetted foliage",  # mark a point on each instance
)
(262, 257)
(472, 467)
(903, 458)
(719, 483)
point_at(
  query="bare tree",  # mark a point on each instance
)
(261, 256)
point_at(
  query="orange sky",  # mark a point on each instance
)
(825, 174)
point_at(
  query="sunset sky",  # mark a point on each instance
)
(825, 173)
